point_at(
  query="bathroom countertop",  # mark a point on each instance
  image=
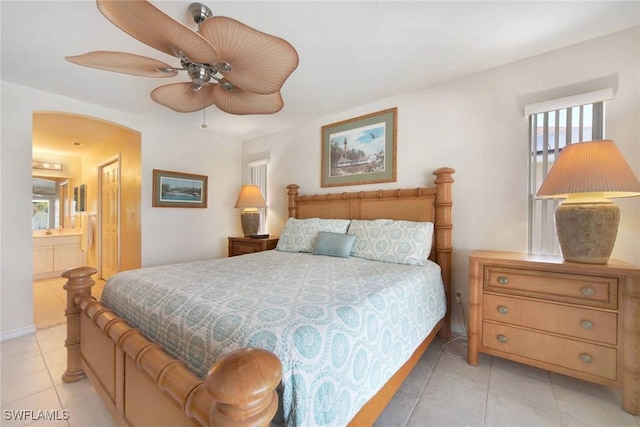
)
(56, 233)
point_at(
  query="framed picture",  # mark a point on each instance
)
(361, 150)
(179, 190)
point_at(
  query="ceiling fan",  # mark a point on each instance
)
(231, 65)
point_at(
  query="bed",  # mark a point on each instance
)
(141, 363)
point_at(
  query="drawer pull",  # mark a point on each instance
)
(503, 339)
(586, 324)
(503, 280)
(503, 310)
(587, 291)
(586, 358)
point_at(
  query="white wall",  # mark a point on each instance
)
(477, 126)
(168, 234)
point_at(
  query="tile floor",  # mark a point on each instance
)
(442, 390)
(50, 301)
(446, 391)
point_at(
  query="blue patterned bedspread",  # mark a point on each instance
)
(340, 326)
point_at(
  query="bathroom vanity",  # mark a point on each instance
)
(56, 252)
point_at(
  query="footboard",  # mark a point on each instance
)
(139, 382)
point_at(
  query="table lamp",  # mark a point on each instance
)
(250, 199)
(587, 175)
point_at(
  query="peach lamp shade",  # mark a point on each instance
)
(250, 199)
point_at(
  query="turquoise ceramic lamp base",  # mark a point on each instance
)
(587, 231)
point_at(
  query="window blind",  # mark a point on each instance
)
(549, 132)
(258, 176)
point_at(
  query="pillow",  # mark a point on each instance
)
(299, 234)
(400, 242)
(333, 244)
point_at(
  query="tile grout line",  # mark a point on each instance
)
(55, 388)
(486, 398)
(417, 400)
(525, 401)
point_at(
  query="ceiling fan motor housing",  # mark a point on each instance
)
(200, 74)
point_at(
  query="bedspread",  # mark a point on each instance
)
(340, 326)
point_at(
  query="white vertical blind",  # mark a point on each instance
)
(258, 176)
(549, 132)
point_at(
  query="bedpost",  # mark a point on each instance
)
(443, 242)
(293, 193)
(78, 282)
(243, 384)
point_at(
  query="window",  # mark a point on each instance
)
(550, 131)
(40, 215)
(258, 176)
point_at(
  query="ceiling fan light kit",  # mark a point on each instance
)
(231, 65)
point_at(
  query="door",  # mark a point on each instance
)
(65, 205)
(110, 219)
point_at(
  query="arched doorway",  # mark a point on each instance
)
(82, 145)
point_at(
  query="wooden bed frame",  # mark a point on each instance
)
(143, 386)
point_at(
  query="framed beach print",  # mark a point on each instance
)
(361, 150)
(179, 190)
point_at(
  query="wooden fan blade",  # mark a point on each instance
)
(145, 22)
(179, 97)
(260, 63)
(241, 102)
(126, 63)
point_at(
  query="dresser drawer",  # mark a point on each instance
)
(574, 288)
(577, 322)
(246, 245)
(576, 355)
(246, 248)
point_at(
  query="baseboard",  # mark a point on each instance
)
(31, 329)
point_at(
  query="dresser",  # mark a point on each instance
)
(581, 320)
(246, 245)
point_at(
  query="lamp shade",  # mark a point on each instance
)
(587, 174)
(590, 167)
(250, 197)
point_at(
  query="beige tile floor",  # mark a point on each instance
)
(446, 391)
(50, 300)
(31, 368)
(441, 391)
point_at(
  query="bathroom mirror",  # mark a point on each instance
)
(51, 203)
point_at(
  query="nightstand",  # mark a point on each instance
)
(581, 320)
(246, 245)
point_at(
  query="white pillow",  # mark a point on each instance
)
(299, 234)
(400, 242)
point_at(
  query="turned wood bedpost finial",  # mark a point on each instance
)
(243, 384)
(443, 243)
(78, 282)
(292, 194)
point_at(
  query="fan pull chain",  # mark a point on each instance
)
(204, 111)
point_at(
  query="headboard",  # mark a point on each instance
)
(412, 204)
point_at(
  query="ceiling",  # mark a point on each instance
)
(351, 52)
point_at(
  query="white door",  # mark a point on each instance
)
(110, 208)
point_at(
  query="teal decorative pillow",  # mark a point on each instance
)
(400, 242)
(334, 244)
(298, 235)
